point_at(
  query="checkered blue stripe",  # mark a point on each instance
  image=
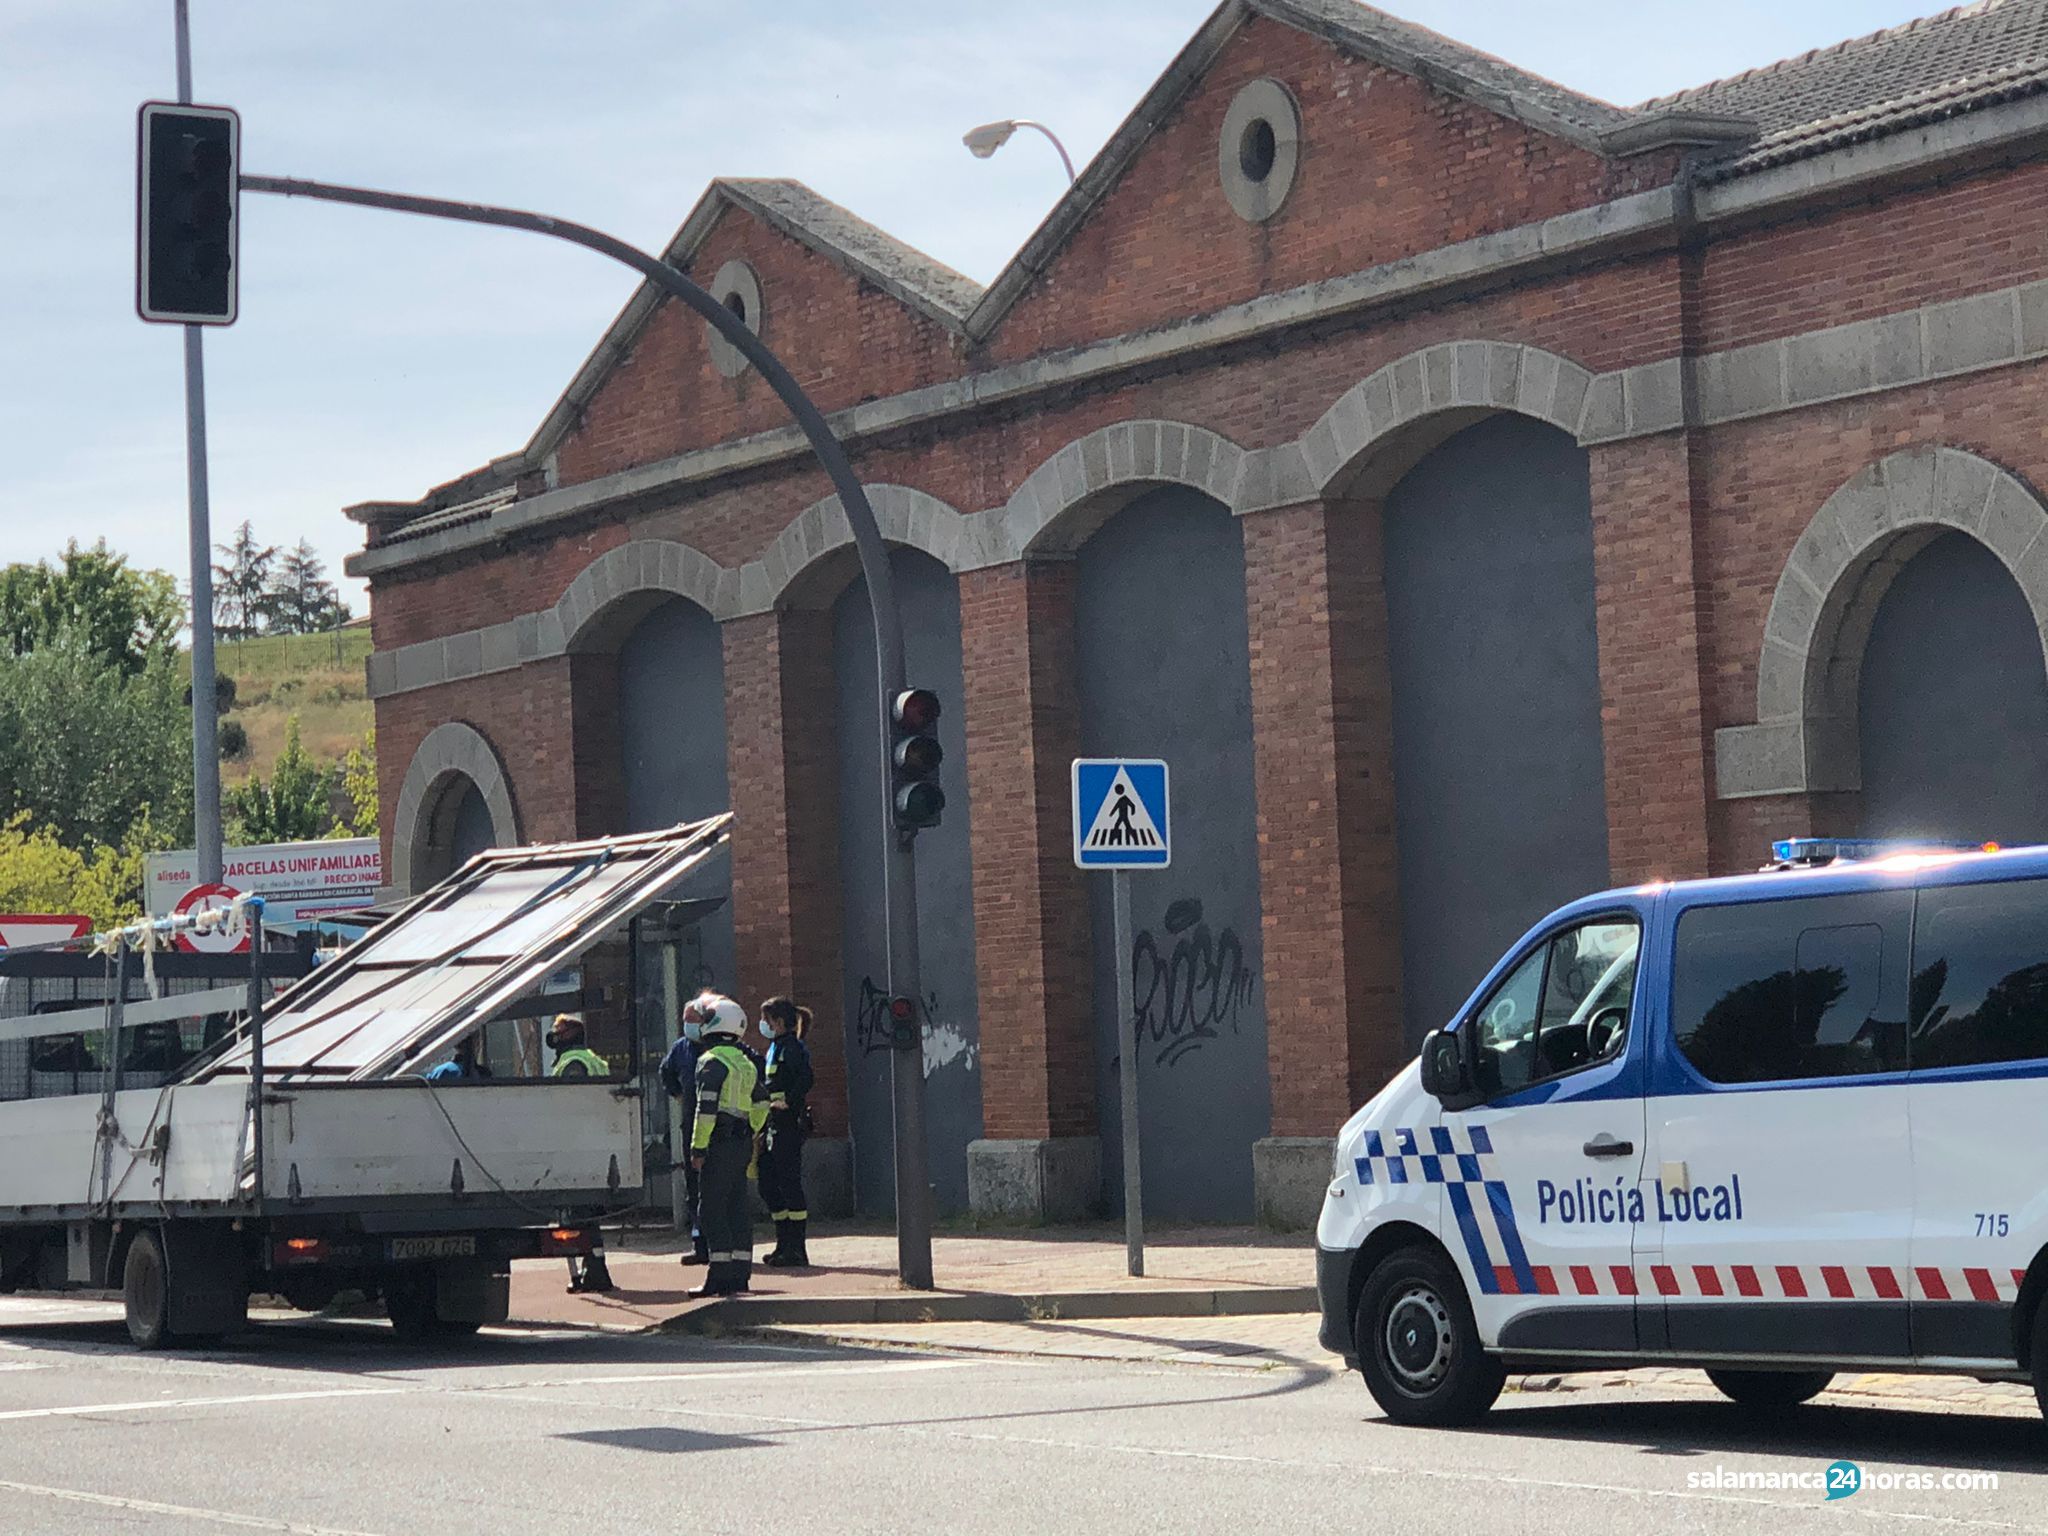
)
(1405, 1161)
(1398, 1157)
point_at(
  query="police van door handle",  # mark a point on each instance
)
(1605, 1145)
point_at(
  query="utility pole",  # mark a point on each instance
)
(899, 891)
(205, 721)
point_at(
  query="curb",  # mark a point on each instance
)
(750, 1312)
(789, 1334)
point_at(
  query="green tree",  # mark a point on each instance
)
(124, 616)
(296, 804)
(40, 874)
(301, 600)
(359, 785)
(91, 751)
(241, 585)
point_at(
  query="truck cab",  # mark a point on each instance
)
(1751, 1125)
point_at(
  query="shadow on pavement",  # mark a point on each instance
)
(1824, 1432)
(664, 1441)
(1234, 1350)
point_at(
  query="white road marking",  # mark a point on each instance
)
(93, 1410)
(764, 1371)
(150, 1507)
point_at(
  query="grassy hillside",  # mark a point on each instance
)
(317, 677)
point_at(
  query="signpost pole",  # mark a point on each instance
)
(256, 1003)
(205, 721)
(1127, 1071)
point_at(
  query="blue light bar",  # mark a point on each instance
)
(1824, 850)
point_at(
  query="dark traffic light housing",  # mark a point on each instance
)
(918, 799)
(187, 218)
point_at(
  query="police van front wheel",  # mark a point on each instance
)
(1418, 1347)
(1770, 1389)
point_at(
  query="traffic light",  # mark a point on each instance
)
(918, 798)
(904, 1034)
(186, 223)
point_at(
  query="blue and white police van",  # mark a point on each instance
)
(1775, 1126)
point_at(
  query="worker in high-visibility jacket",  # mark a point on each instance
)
(574, 1058)
(731, 1110)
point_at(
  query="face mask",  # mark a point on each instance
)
(767, 1032)
(553, 1040)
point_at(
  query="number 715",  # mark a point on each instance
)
(1993, 1224)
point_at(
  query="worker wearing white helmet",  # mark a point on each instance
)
(731, 1109)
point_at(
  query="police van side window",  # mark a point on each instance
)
(1980, 974)
(1777, 991)
(1564, 1007)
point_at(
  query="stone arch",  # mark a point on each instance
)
(1078, 489)
(1838, 572)
(609, 595)
(812, 559)
(1382, 426)
(454, 755)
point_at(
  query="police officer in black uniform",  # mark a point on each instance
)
(789, 1115)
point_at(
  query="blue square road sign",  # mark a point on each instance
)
(1121, 818)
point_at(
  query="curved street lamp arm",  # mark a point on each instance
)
(1065, 159)
(914, 1253)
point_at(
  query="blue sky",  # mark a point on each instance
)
(377, 354)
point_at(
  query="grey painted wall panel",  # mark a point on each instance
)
(472, 828)
(1498, 776)
(929, 597)
(672, 757)
(1953, 706)
(1165, 671)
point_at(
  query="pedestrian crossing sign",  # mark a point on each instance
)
(1120, 813)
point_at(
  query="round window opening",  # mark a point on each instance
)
(1257, 149)
(737, 303)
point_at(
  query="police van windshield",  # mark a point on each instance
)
(1564, 1007)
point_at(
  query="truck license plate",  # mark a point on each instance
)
(398, 1248)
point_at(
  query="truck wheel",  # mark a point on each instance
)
(1770, 1389)
(2037, 1356)
(1418, 1347)
(146, 1292)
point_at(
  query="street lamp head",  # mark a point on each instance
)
(988, 138)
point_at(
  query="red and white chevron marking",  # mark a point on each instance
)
(1769, 1282)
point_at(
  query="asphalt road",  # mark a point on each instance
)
(334, 1428)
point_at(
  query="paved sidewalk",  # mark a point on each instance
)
(1186, 1269)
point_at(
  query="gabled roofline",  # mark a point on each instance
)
(1596, 126)
(928, 288)
(914, 279)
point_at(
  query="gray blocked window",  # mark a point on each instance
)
(738, 288)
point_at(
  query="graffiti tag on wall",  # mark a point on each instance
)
(944, 1044)
(1193, 992)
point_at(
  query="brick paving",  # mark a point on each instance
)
(653, 1284)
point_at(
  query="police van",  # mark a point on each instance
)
(1775, 1126)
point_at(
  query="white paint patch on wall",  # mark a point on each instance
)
(945, 1044)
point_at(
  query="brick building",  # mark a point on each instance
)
(1478, 492)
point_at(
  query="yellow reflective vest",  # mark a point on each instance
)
(728, 1084)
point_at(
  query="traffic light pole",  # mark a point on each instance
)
(206, 833)
(899, 894)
